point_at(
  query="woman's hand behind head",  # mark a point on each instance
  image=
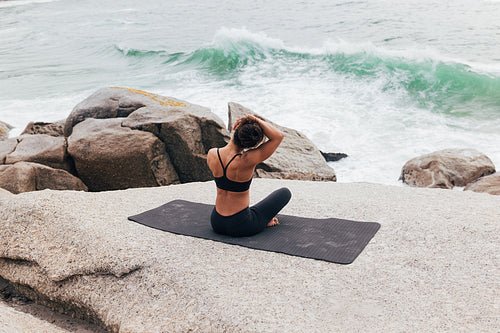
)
(249, 119)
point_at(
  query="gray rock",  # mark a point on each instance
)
(106, 103)
(118, 102)
(56, 179)
(446, 168)
(296, 158)
(188, 134)
(187, 130)
(18, 178)
(6, 147)
(43, 149)
(108, 156)
(53, 129)
(26, 177)
(4, 130)
(487, 184)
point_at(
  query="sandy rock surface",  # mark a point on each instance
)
(18, 314)
(13, 321)
(433, 265)
(4, 192)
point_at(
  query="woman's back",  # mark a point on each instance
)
(230, 165)
(233, 170)
(230, 172)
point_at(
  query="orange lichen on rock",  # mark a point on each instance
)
(160, 99)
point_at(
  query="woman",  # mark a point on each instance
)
(233, 167)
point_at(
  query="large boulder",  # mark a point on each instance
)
(446, 168)
(187, 130)
(4, 130)
(43, 149)
(296, 158)
(25, 177)
(488, 184)
(108, 156)
(53, 129)
(188, 135)
(105, 103)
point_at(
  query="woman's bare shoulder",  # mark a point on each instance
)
(211, 156)
(212, 152)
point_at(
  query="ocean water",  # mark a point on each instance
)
(383, 81)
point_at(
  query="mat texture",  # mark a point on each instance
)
(331, 239)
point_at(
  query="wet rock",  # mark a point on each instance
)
(296, 158)
(446, 168)
(333, 157)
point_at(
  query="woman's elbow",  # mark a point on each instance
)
(281, 136)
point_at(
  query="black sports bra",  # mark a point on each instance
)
(227, 184)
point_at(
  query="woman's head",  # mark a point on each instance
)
(248, 134)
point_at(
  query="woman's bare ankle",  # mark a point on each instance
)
(273, 222)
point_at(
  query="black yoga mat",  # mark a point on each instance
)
(331, 239)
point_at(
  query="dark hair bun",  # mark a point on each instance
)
(248, 135)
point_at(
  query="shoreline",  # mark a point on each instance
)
(428, 267)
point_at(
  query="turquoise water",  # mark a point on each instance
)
(382, 81)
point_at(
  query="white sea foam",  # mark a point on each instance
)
(19, 113)
(339, 113)
(226, 37)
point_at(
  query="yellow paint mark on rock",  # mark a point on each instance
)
(3, 130)
(160, 99)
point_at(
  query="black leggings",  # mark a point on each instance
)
(251, 220)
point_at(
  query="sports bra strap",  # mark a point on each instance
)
(224, 168)
(220, 160)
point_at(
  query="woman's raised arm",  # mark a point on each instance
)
(265, 150)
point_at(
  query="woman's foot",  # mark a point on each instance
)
(273, 222)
